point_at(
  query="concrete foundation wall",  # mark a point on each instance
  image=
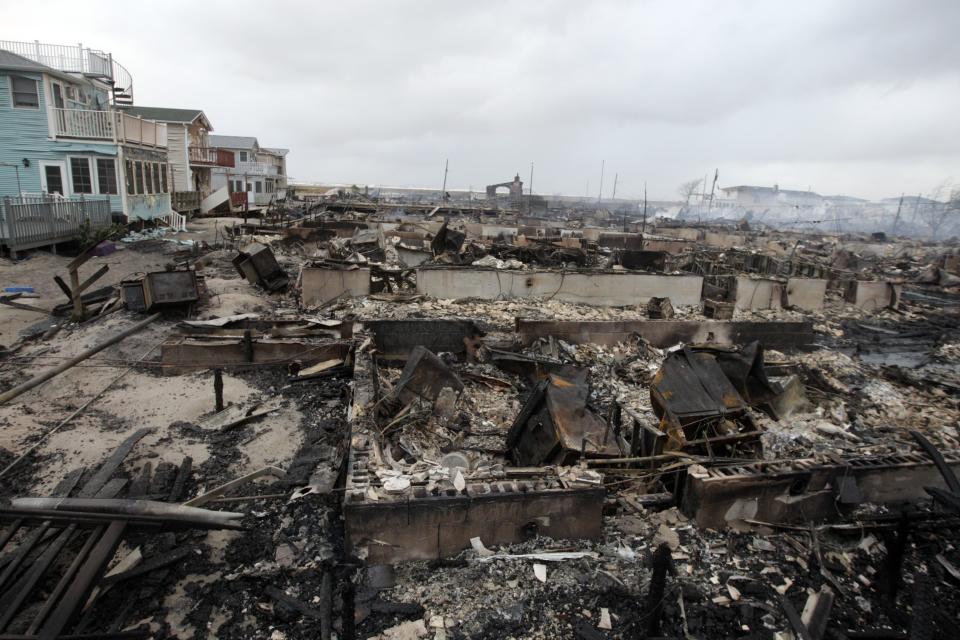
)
(602, 289)
(784, 336)
(758, 293)
(318, 286)
(430, 527)
(806, 293)
(873, 296)
(770, 293)
(673, 247)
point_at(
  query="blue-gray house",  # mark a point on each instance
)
(68, 150)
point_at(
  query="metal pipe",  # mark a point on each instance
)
(51, 373)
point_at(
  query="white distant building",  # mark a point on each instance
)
(259, 172)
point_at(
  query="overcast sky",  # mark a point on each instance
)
(853, 97)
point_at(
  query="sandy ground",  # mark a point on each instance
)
(37, 268)
(141, 398)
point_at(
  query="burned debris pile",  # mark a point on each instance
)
(352, 418)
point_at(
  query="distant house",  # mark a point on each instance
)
(65, 138)
(259, 172)
(190, 153)
(749, 196)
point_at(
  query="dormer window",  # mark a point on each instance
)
(26, 92)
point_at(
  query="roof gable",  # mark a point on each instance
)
(234, 142)
(165, 114)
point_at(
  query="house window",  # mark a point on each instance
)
(106, 176)
(237, 186)
(26, 92)
(243, 156)
(259, 186)
(131, 189)
(139, 180)
(163, 178)
(80, 174)
(148, 177)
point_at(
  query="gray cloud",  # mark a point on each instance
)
(857, 97)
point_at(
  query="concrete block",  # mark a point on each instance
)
(318, 285)
(806, 293)
(873, 296)
(758, 293)
(594, 288)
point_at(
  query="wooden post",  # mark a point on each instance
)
(218, 389)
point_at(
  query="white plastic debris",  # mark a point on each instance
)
(540, 571)
(605, 622)
(478, 546)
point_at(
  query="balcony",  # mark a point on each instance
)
(76, 59)
(257, 169)
(114, 126)
(211, 157)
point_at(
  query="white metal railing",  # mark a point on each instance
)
(175, 221)
(257, 168)
(74, 59)
(109, 125)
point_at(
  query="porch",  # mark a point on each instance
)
(27, 222)
(185, 201)
(211, 157)
(109, 125)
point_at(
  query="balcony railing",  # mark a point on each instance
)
(74, 59)
(211, 156)
(257, 169)
(109, 125)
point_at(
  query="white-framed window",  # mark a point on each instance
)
(243, 156)
(25, 92)
(107, 176)
(81, 178)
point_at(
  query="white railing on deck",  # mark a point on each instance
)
(84, 123)
(31, 221)
(109, 125)
(257, 168)
(73, 59)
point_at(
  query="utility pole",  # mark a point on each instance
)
(716, 174)
(530, 190)
(643, 229)
(443, 191)
(603, 164)
(896, 220)
(703, 196)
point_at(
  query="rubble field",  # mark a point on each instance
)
(274, 428)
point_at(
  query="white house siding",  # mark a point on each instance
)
(177, 154)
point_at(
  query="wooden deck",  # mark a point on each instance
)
(28, 222)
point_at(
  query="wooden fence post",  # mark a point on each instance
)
(6, 219)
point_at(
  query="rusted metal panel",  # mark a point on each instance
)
(169, 288)
(555, 426)
(425, 375)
